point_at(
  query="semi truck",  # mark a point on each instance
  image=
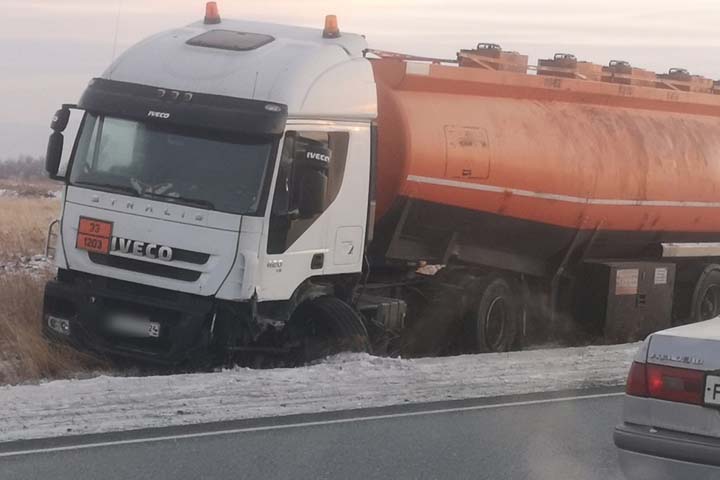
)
(245, 191)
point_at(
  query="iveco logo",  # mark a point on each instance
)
(154, 114)
(141, 249)
(318, 156)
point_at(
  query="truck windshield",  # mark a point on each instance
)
(211, 170)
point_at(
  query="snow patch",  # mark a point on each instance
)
(342, 382)
(34, 265)
(29, 191)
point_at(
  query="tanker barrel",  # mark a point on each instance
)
(454, 176)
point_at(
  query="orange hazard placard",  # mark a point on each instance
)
(94, 235)
(96, 228)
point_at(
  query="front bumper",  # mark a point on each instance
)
(646, 452)
(87, 301)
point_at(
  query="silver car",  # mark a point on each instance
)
(671, 413)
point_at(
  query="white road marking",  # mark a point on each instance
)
(303, 424)
(558, 197)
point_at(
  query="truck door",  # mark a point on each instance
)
(309, 232)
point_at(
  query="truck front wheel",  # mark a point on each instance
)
(322, 327)
(494, 320)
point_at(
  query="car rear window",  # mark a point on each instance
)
(230, 40)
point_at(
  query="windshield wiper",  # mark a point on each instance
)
(198, 202)
(112, 187)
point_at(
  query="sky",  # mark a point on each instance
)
(49, 49)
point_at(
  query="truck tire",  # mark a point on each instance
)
(706, 300)
(492, 324)
(325, 326)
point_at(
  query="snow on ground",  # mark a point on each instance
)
(346, 381)
(36, 264)
(20, 190)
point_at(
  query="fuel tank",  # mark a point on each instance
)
(494, 163)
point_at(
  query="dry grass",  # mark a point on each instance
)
(23, 225)
(24, 354)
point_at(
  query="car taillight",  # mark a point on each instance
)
(637, 381)
(666, 383)
(675, 384)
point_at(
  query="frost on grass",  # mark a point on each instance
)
(343, 382)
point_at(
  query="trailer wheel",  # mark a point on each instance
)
(322, 327)
(706, 303)
(494, 320)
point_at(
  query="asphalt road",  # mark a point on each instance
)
(522, 437)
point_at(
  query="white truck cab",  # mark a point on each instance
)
(220, 180)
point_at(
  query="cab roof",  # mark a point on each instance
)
(315, 77)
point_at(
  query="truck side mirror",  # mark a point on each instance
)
(60, 119)
(54, 154)
(58, 151)
(311, 180)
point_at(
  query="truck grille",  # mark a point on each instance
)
(147, 268)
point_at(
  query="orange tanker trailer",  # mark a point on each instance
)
(582, 192)
(471, 204)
